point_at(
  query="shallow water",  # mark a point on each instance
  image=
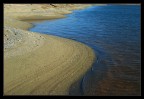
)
(113, 31)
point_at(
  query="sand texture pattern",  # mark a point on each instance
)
(39, 64)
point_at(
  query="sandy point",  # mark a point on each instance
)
(39, 64)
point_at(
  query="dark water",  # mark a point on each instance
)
(113, 32)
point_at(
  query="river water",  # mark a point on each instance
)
(113, 31)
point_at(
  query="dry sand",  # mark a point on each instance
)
(39, 64)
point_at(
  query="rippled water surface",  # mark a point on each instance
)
(113, 31)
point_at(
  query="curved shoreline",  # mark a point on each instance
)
(48, 65)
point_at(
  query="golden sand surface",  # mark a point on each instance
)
(39, 64)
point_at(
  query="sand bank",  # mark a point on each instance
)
(39, 64)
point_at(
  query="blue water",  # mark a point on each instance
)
(113, 31)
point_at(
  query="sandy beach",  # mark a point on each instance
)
(39, 64)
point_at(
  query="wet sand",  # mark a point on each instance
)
(38, 64)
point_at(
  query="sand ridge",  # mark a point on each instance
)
(19, 42)
(39, 64)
